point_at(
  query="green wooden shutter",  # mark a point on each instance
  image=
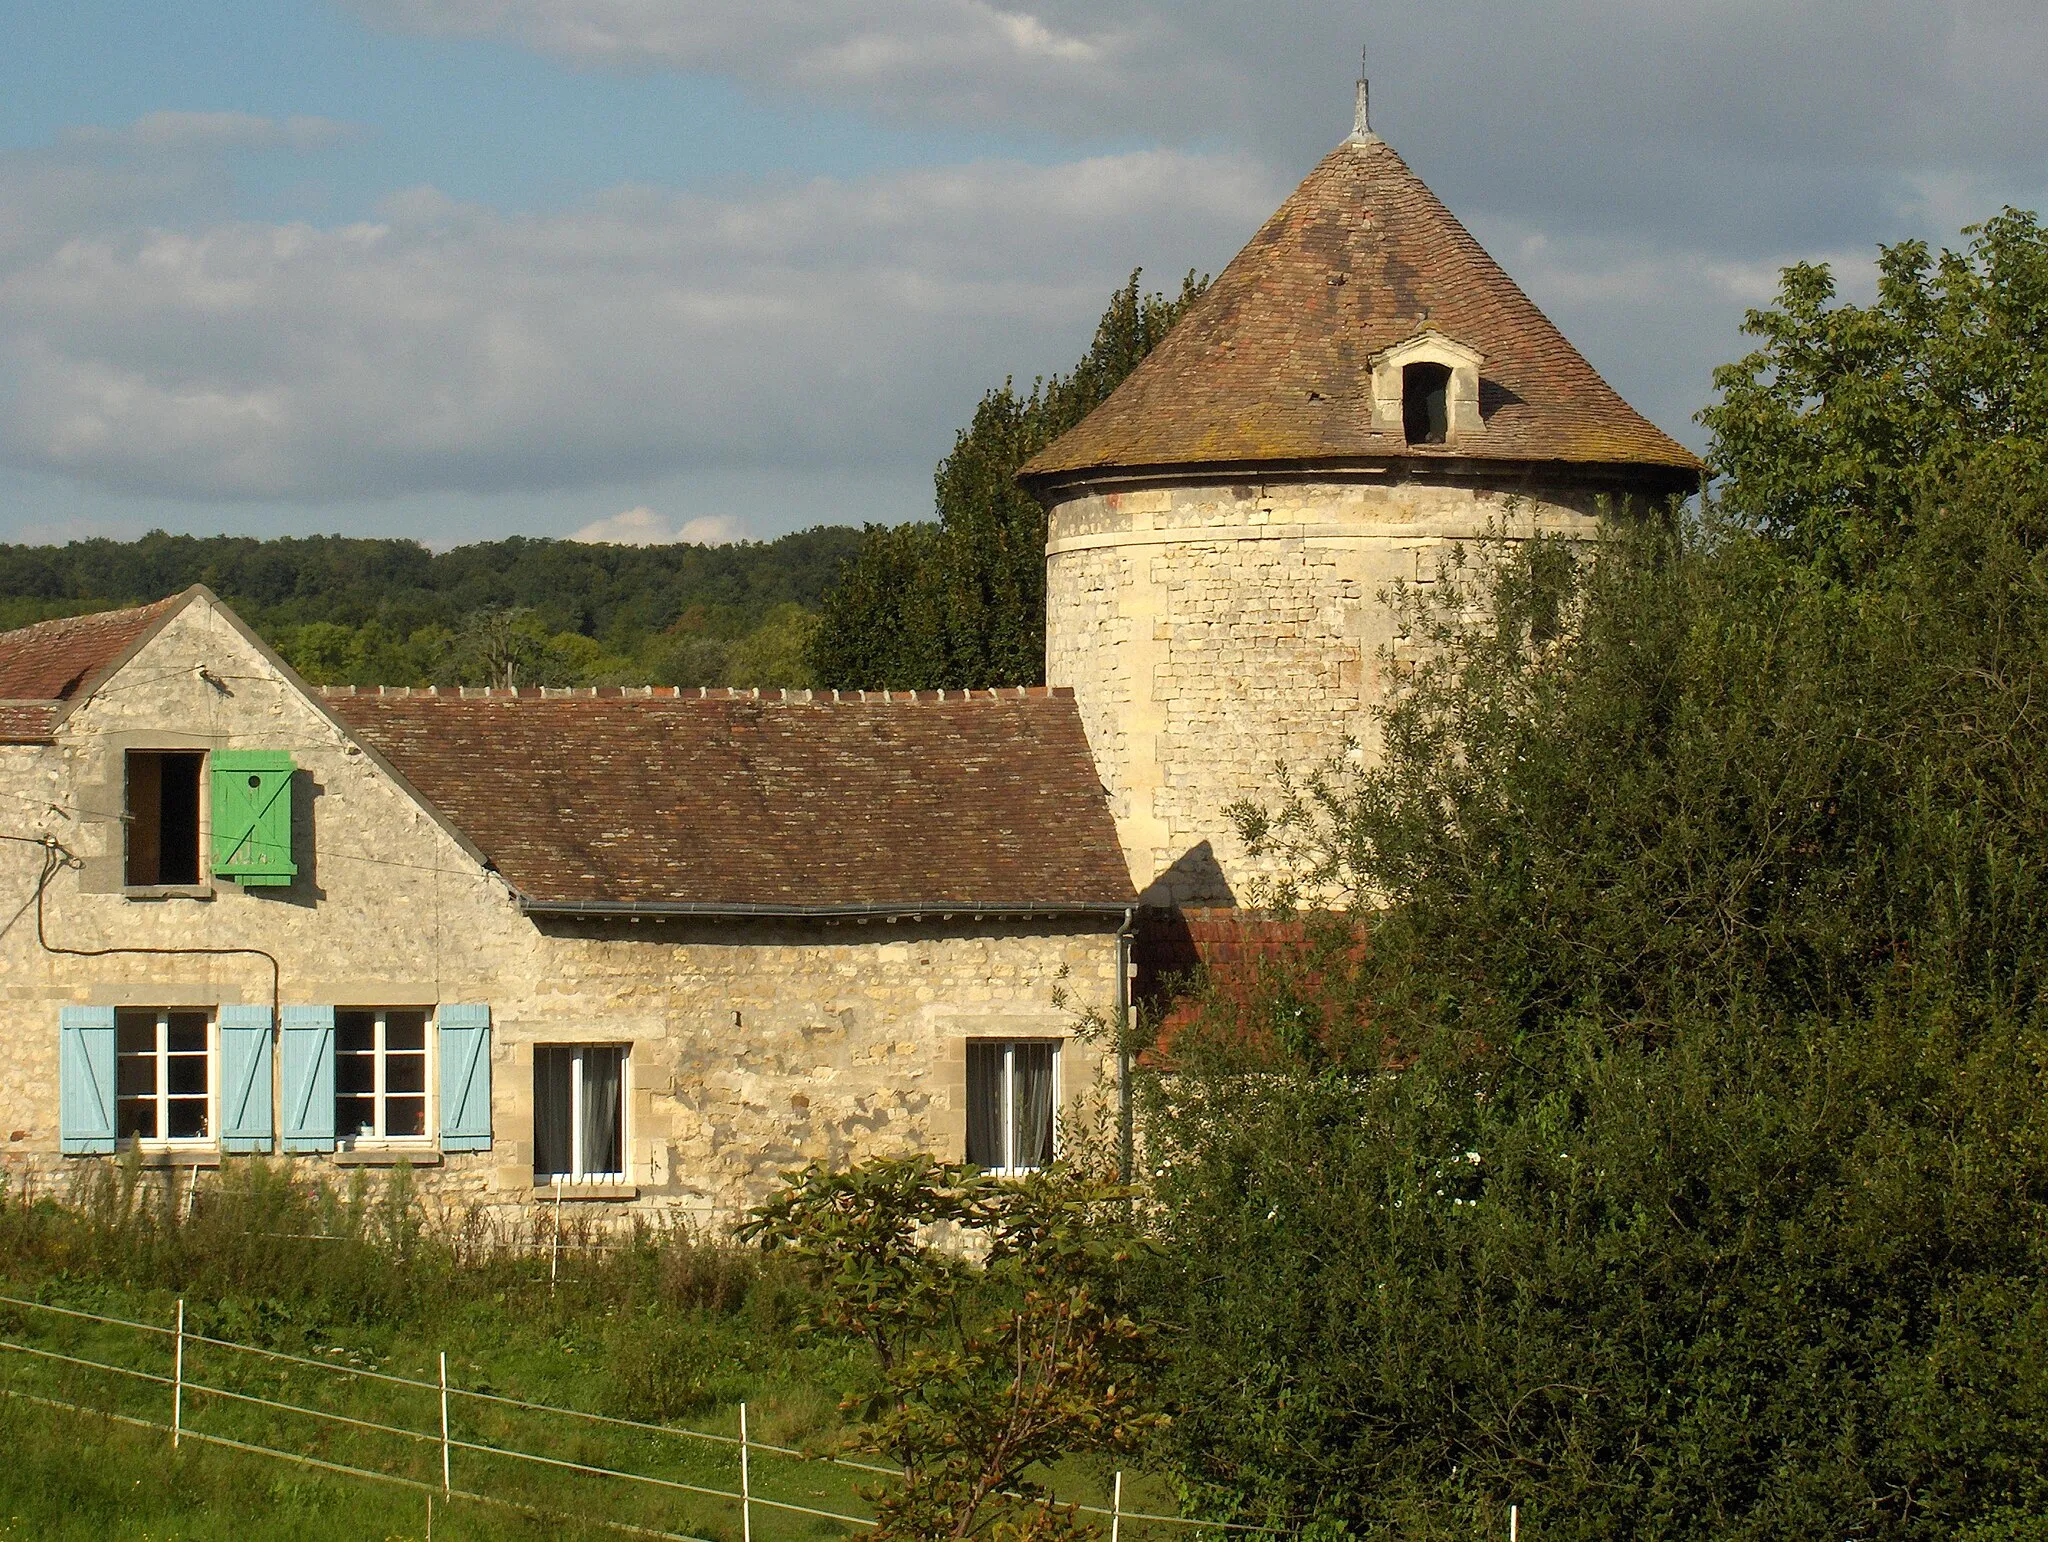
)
(85, 1079)
(252, 817)
(465, 1036)
(308, 1034)
(244, 1078)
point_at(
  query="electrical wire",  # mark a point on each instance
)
(55, 856)
(102, 816)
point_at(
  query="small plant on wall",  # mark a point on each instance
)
(985, 1371)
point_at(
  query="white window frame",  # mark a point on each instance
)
(1008, 1136)
(578, 1174)
(349, 1140)
(163, 1097)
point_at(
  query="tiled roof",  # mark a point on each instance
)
(1272, 364)
(733, 802)
(46, 665)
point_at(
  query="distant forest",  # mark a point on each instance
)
(534, 612)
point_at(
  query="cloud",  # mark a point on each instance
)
(641, 526)
(1722, 122)
(1643, 170)
(957, 60)
(447, 345)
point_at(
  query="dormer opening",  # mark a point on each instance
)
(1425, 403)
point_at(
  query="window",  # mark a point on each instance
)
(1425, 403)
(163, 817)
(164, 1075)
(380, 1073)
(1011, 1093)
(579, 1113)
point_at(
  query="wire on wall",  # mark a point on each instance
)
(56, 857)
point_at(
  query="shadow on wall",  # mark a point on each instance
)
(304, 890)
(1231, 946)
(1196, 878)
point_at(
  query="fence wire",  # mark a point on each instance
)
(746, 1498)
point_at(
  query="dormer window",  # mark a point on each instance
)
(1427, 390)
(1425, 403)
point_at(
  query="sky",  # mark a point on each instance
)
(714, 269)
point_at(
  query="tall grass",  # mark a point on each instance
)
(636, 1317)
(642, 1316)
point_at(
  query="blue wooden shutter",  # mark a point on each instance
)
(244, 1078)
(85, 1079)
(465, 1077)
(252, 817)
(308, 1078)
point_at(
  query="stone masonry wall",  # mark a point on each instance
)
(753, 1048)
(1213, 631)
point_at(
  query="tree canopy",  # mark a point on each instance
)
(1660, 1141)
(961, 601)
(391, 612)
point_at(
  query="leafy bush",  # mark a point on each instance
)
(988, 1373)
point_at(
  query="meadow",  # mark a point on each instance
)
(645, 1322)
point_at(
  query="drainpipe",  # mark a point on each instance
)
(1126, 1162)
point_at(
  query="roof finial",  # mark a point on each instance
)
(1361, 123)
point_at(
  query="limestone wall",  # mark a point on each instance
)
(753, 1047)
(1214, 630)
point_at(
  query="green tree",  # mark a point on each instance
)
(989, 1372)
(1847, 418)
(1668, 1152)
(961, 602)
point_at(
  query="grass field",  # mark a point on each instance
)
(656, 1326)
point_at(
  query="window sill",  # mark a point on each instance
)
(387, 1156)
(569, 1191)
(162, 1158)
(159, 891)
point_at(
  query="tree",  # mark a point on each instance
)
(1678, 1159)
(1847, 418)
(986, 1373)
(961, 602)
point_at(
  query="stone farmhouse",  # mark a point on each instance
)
(656, 946)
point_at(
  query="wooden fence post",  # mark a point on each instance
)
(446, 1486)
(746, 1486)
(178, 1381)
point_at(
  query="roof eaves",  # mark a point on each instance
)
(726, 910)
(1449, 465)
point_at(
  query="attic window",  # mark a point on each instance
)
(163, 817)
(1425, 403)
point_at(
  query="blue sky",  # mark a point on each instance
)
(459, 268)
(479, 118)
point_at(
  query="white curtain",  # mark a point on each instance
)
(552, 1150)
(602, 1068)
(1032, 1106)
(985, 1071)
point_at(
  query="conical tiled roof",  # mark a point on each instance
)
(1272, 365)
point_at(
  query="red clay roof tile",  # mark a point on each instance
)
(728, 801)
(47, 664)
(1271, 366)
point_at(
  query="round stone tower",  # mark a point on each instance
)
(1361, 386)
